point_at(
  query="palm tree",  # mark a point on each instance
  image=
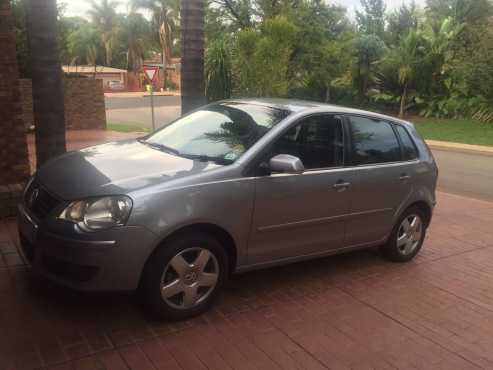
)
(46, 75)
(406, 57)
(164, 17)
(192, 56)
(368, 49)
(136, 35)
(103, 16)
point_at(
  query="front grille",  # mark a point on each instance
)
(68, 270)
(39, 201)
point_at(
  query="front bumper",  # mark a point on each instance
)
(109, 260)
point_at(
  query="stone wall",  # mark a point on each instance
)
(14, 163)
(84, 103)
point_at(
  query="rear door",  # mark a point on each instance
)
(299, 215)
(383, 179)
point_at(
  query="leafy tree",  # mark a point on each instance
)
(319, 56)
(84, 45)
(405, 59)
(103, 16)
(402, 21)
(135, 34)
(371, 21)
(165, 15)
(238, 14)
(262, 58)
(218, 79)
(460, 11)
(368, 49)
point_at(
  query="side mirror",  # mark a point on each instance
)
(286, 163)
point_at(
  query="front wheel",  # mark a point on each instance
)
(183, 276)
(407, 237)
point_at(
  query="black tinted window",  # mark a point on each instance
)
(410, 152)
(373, 141)
(317, 141)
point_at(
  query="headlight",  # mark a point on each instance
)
(98, 213)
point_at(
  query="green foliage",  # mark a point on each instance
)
(262, 58)
(436, 60)
(135, 33)
(103, 17)
(368, 49)
(218, 83)
(402, 21)
(371, 20)
(84, 44)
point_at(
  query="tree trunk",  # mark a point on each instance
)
(107, 52)
(192, 57)
(327, 93)
(402, 110)
(48, 105)
(165, 71)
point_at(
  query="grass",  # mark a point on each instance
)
(126, 127)
(464, 131)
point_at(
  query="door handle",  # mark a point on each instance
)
(341, 186)
(404, 177)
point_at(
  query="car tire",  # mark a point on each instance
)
(406, 239)
(178, 280)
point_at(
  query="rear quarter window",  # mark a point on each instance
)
(408, 146)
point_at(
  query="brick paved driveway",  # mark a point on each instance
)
(354, 311)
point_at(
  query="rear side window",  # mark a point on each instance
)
(408, 146)
(373, 141)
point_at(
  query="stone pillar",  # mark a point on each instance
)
(14, 160)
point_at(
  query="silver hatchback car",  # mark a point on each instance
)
(233, 186)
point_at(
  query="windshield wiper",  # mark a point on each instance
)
(160, 147)
(207, 158)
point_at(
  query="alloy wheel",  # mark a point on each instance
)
(409, 234)
(189, 278)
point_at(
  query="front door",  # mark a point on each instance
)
(298, 215)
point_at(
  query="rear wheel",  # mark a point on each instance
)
(183, 276)
(407, 237)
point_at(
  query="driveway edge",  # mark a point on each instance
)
(457, 147)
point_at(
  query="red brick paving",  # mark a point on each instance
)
(353, 311)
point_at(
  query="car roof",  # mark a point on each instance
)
(295, 106)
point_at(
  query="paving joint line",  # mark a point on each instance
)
(408, 327)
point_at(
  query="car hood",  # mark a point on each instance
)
(114, 168)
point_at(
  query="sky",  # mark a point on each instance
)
(80, 7)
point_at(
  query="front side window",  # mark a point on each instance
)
(219, 132)
(410, 151)
(317, 141)
(373, 141)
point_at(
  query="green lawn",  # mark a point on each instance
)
(125, 127)
(463, 131)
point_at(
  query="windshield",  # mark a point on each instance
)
(220, 132)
